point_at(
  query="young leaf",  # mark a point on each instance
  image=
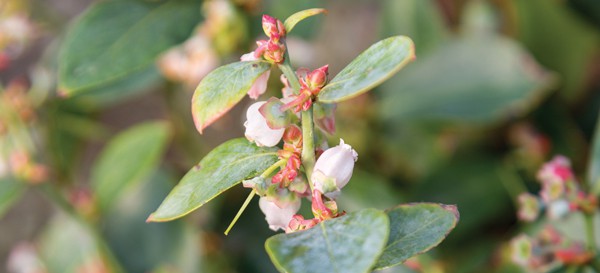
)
(223, 88)
(10, 191)
(349, 244)
(415, 229)
(128, 158)
(594, 162)
(372, 67)
(115, 39)
(223, 168)
(295, 18)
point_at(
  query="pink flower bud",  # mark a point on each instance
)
(273, 27)
(529, 207)
(257, 129)
(260, 85)
(557, 170)
(278, 218)
(317, 78)
(333, 169)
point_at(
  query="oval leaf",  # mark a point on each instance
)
(415, 229)
(115, 39)
(223, 168)
(222, 88)
(295, 18)
(349, 244)
(127, 159)
(372, 67)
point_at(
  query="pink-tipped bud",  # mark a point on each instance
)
(275, 52)
(278, 218)
(257, 129)
(333, 169)
(529, 207)
(273, 28)
(317, 78)
(557, 170)
(293, 134)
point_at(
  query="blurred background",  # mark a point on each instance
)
(90, 146)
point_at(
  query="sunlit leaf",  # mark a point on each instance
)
(223, 168)
(222, 89)
(415, 229)
(295, 18)
(348, 244)
(128, 158)
(371, 68)
(477, 79)
(115, 39)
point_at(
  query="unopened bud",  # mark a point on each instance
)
(293, 134)
(278, 218)
(557, 170)
(333, 169)
(272, 27)
(317, 78)
(529, 207)
(257, 129)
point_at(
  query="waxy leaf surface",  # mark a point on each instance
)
(371, 68)
(348, 244)
(415, 229)
(223, 168)
(128, 158)
(223, 88)
(115, 39)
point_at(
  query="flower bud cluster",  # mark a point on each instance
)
(273, 50)
(311, 84)
(547, 250)
(560, 193)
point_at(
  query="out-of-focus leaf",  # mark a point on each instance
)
(174, 244)
(349, 244)
(223, 88)
(115, 39)
(106, 95)
(361, 189)
(558, 40)
(477, 186)
(594, 162)
(68, 247)
(295, 18)
(589, 8)
(127, 160)
(10, 191)
(478, 79)
(223, 168)
(371, 68)
(416, 228)
(573, 225)
(418, 19)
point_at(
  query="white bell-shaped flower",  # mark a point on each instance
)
(257, 129)
(333, 169)
(260, 85)
(278, 218)
(558, 209)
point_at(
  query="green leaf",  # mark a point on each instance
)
(349, 244)
(10, 191)
(295, 18)
(67, 246)
(371, 68)
(223, 168)
(127, 159)
(115, 39)
(222, 88)
(476, 79)
(594, 162)
(415, 229)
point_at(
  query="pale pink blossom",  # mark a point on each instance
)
(529, 207)
(278, 218)
(333, 169)
(257, 129)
